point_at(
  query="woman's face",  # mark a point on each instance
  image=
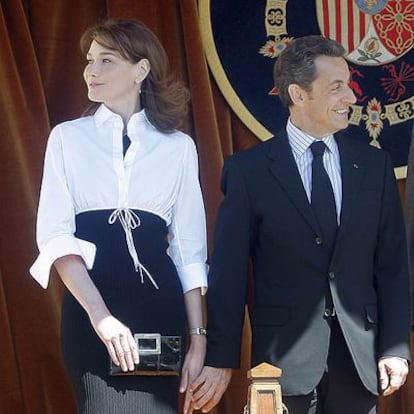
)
(111, 79)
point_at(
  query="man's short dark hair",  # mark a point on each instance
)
(296, 64)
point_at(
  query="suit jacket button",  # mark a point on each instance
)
(318, 241)
(329, 312)
(331, 275)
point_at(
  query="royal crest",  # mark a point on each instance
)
(343, 21)
(372, 32)
(378, 36)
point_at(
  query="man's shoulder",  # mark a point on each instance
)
(256, 153)
(348, 142)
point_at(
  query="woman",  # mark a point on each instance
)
(122, 183)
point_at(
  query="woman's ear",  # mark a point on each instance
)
(143, 69)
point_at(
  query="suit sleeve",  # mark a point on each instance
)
(228, 274)
(409, 219)
(391, 273)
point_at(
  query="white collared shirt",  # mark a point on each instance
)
(85, 170)
(300, 143)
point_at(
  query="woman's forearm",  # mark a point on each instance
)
(74, 275)
(195, 316)
(117, 337)
(194, 308)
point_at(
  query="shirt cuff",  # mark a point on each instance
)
(193, 276)
(58, 247)
(400, 358)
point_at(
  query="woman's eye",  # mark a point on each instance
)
(106, 60)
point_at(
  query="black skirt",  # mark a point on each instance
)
(140, 306)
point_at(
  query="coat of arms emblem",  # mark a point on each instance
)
(378, 36)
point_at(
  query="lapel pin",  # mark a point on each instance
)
(356, 166)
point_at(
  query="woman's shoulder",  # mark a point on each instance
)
(178, 145)
(180, 137)
(72, 129)
(85, 122)
(177, 139)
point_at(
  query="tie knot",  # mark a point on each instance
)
(317, 148)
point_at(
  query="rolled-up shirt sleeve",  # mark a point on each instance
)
(187, 231)
(56, 216)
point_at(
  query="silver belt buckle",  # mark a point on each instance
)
(148, 344)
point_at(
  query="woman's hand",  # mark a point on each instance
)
(114, 334)
(194, 359)
(118, 340)
(193, 364)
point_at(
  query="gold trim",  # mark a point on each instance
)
(220, 75)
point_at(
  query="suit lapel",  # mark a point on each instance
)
(284, 169)
(352, 172)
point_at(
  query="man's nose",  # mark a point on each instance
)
(350, 96)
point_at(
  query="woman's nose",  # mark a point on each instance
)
(91, 69)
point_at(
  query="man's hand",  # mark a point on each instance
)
(392, 374)
(208, 389)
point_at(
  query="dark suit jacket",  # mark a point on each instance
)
(265, 216)
(409, 214)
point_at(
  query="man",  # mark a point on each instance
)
(323, 227)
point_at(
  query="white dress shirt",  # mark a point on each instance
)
(300, 143)
(85, 170)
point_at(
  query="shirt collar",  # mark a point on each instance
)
(300, 140)
(104, 114)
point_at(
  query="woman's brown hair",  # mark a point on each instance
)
(164, 99)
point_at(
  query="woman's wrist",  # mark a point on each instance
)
(198, 341)
(98, 312)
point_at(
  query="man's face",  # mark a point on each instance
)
(326, 105)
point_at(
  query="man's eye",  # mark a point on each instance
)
(106, 60)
